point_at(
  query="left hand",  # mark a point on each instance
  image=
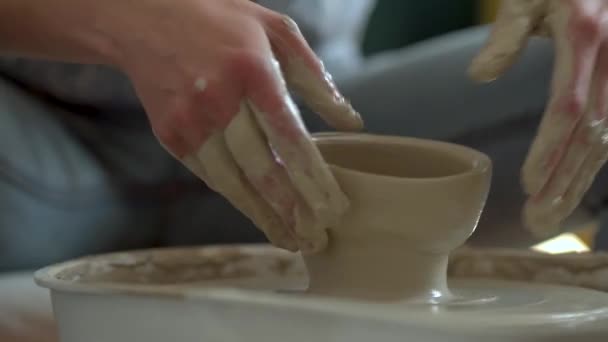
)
(572, 141)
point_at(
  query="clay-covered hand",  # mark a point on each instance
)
(572, 142)
(213, 77)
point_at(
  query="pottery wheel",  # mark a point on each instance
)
(520, 303)
(272, 272)
(499, 302)
(279, 273)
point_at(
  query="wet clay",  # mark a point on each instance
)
(412, 202)
(588, 270)
(322, 97)
(186, 267)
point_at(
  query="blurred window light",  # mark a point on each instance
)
(564, 243)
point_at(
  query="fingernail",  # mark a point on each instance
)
(356, 121)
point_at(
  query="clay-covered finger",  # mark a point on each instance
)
(279, 119)
(252, 154)
(251, 151)
(571, 89)
(580, 145)
(302, 160)
(588, 134)
(543, 218)
(304, 164)
(515, 22)
(307, 76)
(214, 163)
(544, 212)
(574, 176)
(592, 165)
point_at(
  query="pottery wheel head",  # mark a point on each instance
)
(270, 270)
(273, 282)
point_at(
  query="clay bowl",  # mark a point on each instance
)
(412, 202)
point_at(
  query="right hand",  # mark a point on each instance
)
(210, 76)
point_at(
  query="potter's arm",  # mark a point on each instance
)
(216, 97)
(65, 30)
(572, 142)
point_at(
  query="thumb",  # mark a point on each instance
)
(510, 32)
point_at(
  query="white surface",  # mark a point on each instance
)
(25, 310)
(198, 312)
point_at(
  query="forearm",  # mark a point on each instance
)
(66, 30)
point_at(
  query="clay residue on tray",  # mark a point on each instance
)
(181, 266)
(589, 270)
(269, 267)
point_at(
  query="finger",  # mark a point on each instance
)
(314, 231)
(544, 218)
(553, 209)
(514, 24)
(279, 119)
(311, 177)
(578, 148)
(252, 153)
(571, 88)
(596, 159)
(214, 164)
(305, 74)
(544, 211)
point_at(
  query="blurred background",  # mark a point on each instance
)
(395, 24)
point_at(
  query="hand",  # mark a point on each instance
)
(210, 76)
(572, 142)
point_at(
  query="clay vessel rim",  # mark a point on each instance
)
(479, 162)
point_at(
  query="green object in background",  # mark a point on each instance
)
(396, 23)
